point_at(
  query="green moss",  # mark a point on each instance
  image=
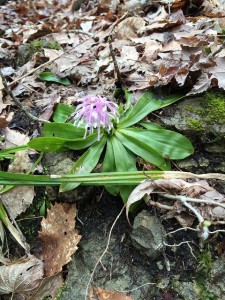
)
(215, 108)
(195, 124)
(212, 111)
(26, 51)
(204, 267)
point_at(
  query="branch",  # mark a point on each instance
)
(17, 102)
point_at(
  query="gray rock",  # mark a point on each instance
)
(59, 163)
(148, 235)
(112, 273)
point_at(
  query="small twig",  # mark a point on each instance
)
(203, 229)
(188, 199)
(218, 50)
(179, 229)
(138, 287)
(47, 63)
(116, 68)
(103, 253)
(80, 31)
(17, 102)
(177, 245)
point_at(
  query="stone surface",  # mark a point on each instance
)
(148, 235)
(112, 273)
(202, 120)
(60, 163)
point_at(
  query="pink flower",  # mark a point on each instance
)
(95, 112)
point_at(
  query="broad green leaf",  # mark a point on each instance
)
(123, 162)
(86, 163)
(145, 105)
(48, 144)
(109, 166)
(49, 76)
(144, 150)
(169, 144)
(82, 143)
(67, 131)
(128, 97)
(62, 112)
(150, 125)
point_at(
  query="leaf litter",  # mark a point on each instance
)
(154, 46)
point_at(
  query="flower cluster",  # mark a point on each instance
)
(95, 112)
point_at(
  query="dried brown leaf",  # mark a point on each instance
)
(21, 276)
(105, 294)
(49, 286)
(128, 28)
(14, 138)
(19, 198)
(213, 8)
(58, 237)
(199, 190)
(202, 85)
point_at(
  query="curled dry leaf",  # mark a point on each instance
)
(105, 294)
(19, 198)
(214, 8)
(58, 237)
(200, 190)
(21, 276)
(49, 286)
(129, 27)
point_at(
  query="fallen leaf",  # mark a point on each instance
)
(107, 295)
(21, 276)
(58, 237)
(199, 190)
(128, 28)
(14, 138)
(48, 287)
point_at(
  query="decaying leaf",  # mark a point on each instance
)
(19, 198)
(14, 138)
(197, 190)
(129, 28)
(105, 294)
(21, 276)
(58, 237)
(49, 286)
(214, 8)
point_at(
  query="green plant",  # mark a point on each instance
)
(123, 137)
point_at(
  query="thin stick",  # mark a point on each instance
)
(116, 67)
(188, 199)
(202, 228)
(103, 253)
(17, 102)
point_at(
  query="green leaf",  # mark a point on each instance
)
(123, 162)
(144, 150)
(48, 144)
(62, 112)
(150, 125)
(109, 166)
(169, 144)
(145, 105)
(128, 97)
(86, 163)
(49, 76)
(62, 130)
(9, 153)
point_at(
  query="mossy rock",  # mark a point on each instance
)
(26, 51)
(202, 117)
